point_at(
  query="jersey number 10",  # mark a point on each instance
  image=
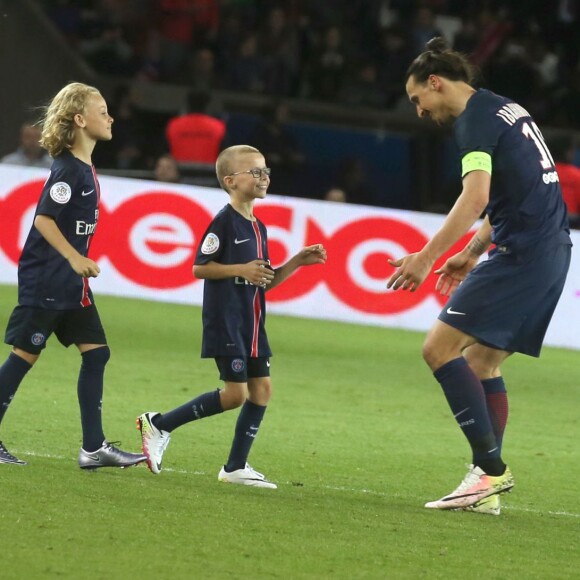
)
(533, 132)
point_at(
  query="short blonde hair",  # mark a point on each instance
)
(226, 159)
(58, 126)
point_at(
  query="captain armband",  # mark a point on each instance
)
(476, 160)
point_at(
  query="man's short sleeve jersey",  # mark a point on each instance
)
(195, 137)
(70, 196)
(234, 311)
(525, 209)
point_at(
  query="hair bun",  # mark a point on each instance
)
(437, 44)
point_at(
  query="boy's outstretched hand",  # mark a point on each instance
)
(315, 254)
(307, 256)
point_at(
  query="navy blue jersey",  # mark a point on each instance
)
(234, 311)
(70, 195)
(526, 208)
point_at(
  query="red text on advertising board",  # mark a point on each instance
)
(151, 239)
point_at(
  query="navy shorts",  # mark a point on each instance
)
(29, 328)
(238, 369)
(507, 303)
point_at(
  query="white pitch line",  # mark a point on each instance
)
(510, 508)
(329, 487)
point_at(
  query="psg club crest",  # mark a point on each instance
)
(238, 365)
(210, 244)
(37, 338)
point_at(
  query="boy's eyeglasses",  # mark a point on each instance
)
(257, 173)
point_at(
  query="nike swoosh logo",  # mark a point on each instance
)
(236, 241)
(451, 311)
(453, 497)
(87, 192)
(94, 458)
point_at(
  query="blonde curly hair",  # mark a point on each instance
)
(58, 126)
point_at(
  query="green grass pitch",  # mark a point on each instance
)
(358, 436)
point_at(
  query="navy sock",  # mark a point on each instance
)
(205, 405)
(90, 394)
(247, 427)
(466, 398)
(497, 406)
(12, 372)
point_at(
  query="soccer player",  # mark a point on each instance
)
(53, 272)
(232, 258)
(504, 304)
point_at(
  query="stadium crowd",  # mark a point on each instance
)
(353, 52)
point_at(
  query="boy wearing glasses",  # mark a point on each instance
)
(233, 260)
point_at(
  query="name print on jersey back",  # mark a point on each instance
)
(525, 206)
(511, 113)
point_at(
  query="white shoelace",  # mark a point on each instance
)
(254, 472)
(469, 480)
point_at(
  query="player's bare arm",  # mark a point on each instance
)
(51, 233)
(315, 254)
(412, 270)
(456, 268)
(257, 272)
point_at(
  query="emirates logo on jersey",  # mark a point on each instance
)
(85, 229)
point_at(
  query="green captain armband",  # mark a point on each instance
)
(474, 161)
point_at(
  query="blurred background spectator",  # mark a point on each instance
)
(195, 136)
(393, 56)
(336, 194)
(167, 169)
(562, 148)
(180, 25)
(247, 71)
(424, 28)
(280, 148)
(127, 149)
(352, 178)
(326, 70)
(108, 51)
(201, 73)
(279, 45)
(29, 151)
(361, 87)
